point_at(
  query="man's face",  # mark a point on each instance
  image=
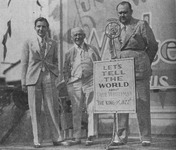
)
(41, 28)
(78, 38)
(124, 13)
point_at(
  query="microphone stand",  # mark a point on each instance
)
(112, 31)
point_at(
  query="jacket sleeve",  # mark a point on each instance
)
(67, 67)
(55, 58)
(24, 62)
(96, 56)
(150, 41)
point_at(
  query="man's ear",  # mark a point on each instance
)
(72, 39)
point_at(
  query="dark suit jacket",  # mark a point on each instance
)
(32, 61)
(139, 43)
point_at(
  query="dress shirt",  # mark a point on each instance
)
(83, 65)
(42, 44)
(123, 33)
(77, 69)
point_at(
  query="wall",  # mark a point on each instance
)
(92, 15)
(22, 14)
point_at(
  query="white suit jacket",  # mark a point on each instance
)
(32, 61)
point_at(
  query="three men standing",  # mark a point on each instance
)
(40, 68)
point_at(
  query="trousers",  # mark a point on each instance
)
(42, 96)
(143, 113)
(81, 95)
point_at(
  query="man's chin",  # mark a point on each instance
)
(123, 21)
(41, 35)
(78, 43)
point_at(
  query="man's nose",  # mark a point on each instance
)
(122, 14)
(41, 28)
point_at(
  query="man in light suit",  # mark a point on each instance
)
(78, 75)
(138, 41)
(39, 63)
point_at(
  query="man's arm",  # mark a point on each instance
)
(149, 39)
(24, 65)
(55, 58)
(67, 68)
(96, 53)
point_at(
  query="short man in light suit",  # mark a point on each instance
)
(39, 63)
(78, 75)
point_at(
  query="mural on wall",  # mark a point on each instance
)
(92, 15)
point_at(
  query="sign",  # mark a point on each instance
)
(114, 86)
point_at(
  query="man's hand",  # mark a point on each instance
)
(24, 88)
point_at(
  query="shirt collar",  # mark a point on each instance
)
(40, 39)
(79, 47)
(122, 25)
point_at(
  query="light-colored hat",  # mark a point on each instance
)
(77, 30)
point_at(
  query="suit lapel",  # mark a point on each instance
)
(73, 54)
(48, 46)
(35, 45)
(130, 31)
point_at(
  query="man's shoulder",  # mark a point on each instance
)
(140, 22)
(135, 21)
(70, 51)
(90, 46)
(93, 49)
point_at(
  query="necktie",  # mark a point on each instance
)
(123, 34)
(43, 44)
(80, 51)
(43, 47)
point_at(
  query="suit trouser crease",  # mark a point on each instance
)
(81, 95)
(44, 86)
(143, 113)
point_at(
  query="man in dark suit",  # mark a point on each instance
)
(78, 75)
(39, 63)
(136, 40)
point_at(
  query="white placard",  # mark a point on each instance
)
(114, 86)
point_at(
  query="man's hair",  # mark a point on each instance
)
(41, 19)
(77, 29)
(124, 3)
